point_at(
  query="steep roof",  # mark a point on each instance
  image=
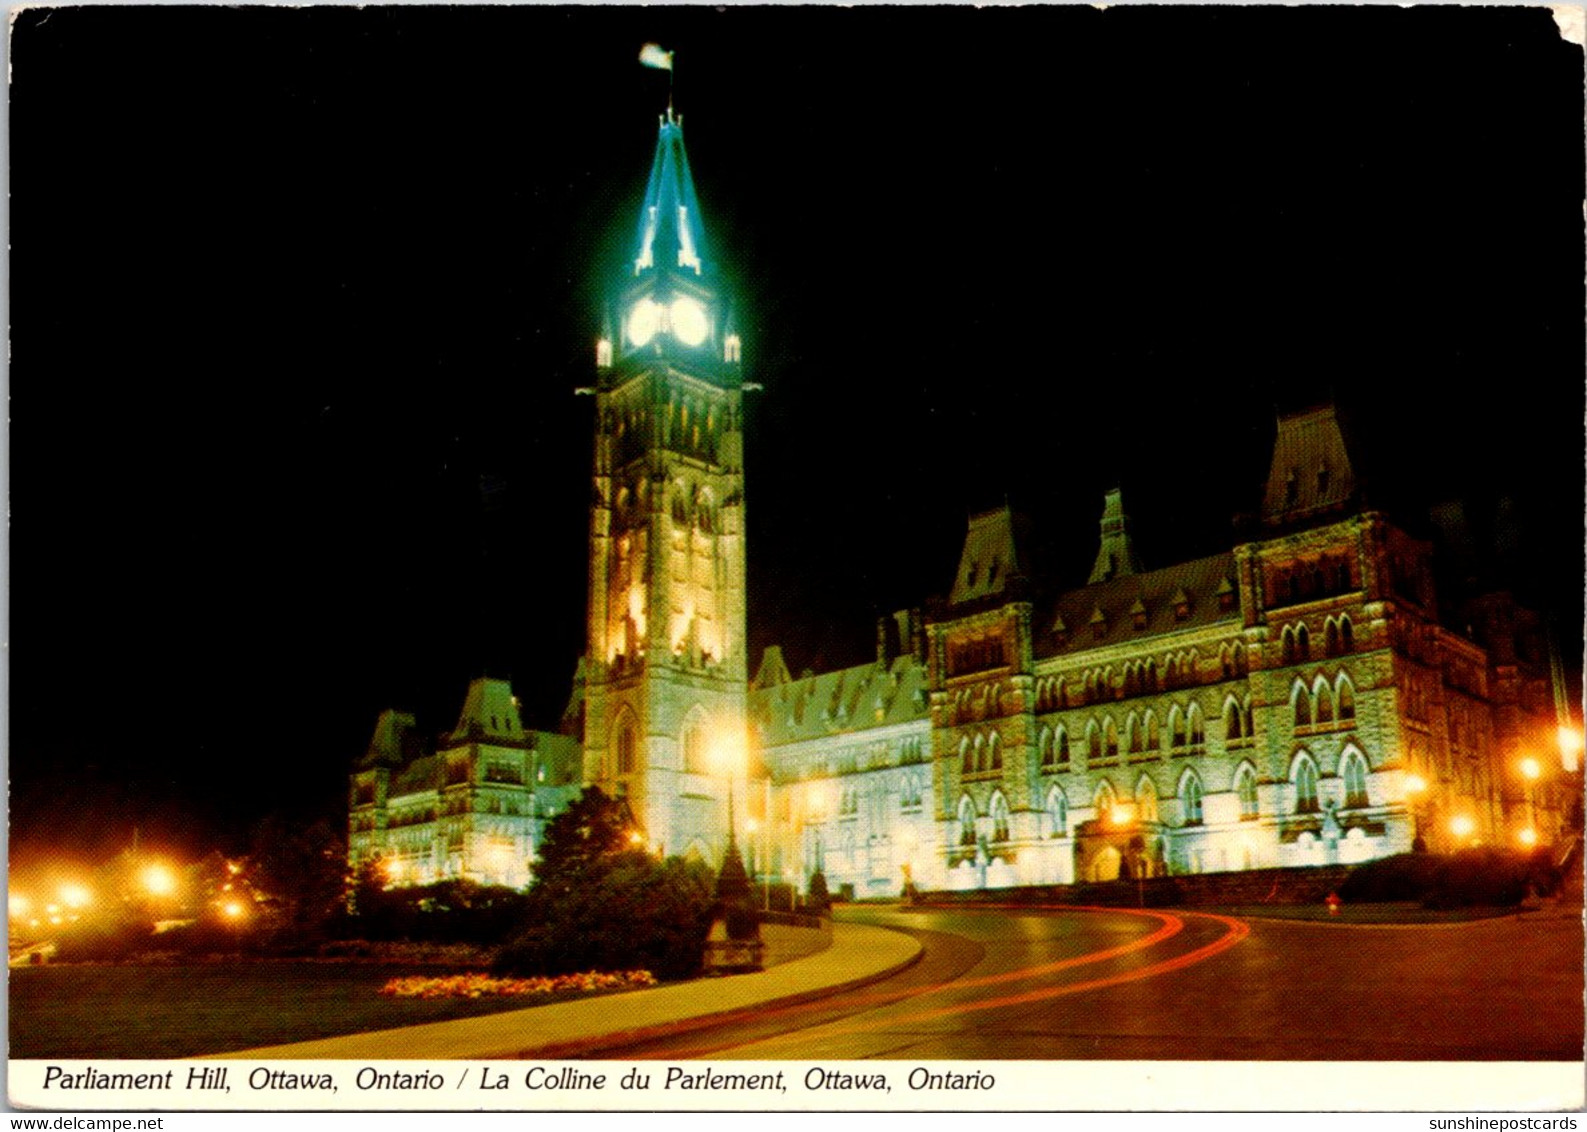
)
(991, 561)
(1312, 472)
(396, 740)
(670, 236)
(1137, 606)
(846, 701)
(490, 712)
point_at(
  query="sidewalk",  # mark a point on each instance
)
(859, 954)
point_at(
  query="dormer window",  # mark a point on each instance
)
(603, 352)
(1322, 482)
(1138, 614)
(991, 573)
(1292, 488)
(969, 575)
(731, 349)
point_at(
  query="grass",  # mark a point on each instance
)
(164, 1011)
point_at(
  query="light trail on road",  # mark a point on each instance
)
(1168, 926)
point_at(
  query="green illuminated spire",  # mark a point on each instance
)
(670, 236)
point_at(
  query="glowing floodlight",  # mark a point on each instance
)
(159, 880)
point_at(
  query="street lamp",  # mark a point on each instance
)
(1531, 770)
(732, 883)
(1462, 826)
(1415, 787)
(159, 880)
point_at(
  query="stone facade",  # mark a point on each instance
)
(471, 806)
(1300, 699)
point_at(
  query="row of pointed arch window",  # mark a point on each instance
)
(999, 825)
(1339, 638)
(1144, 677)
(981, 754)
(1143, 735)
(1323, 706)
(1190, 793)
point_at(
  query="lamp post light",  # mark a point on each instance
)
(732, 883)
(1415, 791)
(1531, 770)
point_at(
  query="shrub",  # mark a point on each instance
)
(639, 913)
(599, 904)
(1481, 876)
(818, 900)
(115, 940)
(450, 911)
(1405, 876)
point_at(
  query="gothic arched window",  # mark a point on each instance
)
(1245, 789)
(1355, 776)
(1305, 778)
(1232, 722)
(1347, 699)
(966, 821)
(1302, 705)
(1057, 813)
(625, 747)
(1190, 798)
(694, 754)
(999, 815)
(1146, 799)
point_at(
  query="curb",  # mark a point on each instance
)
(584, 1046)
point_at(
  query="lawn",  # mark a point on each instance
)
(155, 1011)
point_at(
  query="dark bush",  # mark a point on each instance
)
(1481, 876)
(1405, 876)
(817, 900)
(637, 913)
(104, 942)
(450, 911)
(741, 922)
(600, 904)
(779, 896)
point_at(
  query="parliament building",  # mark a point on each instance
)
(1302, 698)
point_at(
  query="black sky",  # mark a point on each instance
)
(300, 298)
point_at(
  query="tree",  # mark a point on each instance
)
(584, 839)
(300, 870)
(600, 903)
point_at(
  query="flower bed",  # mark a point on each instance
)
(480, 986)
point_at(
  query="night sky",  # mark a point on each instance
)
(300, 299)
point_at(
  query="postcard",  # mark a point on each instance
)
(783, 559)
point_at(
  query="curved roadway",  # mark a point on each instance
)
(1069, 983)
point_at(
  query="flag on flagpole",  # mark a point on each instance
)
(652, 56)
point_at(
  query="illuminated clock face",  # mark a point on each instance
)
(644, 319)
(689, 324)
